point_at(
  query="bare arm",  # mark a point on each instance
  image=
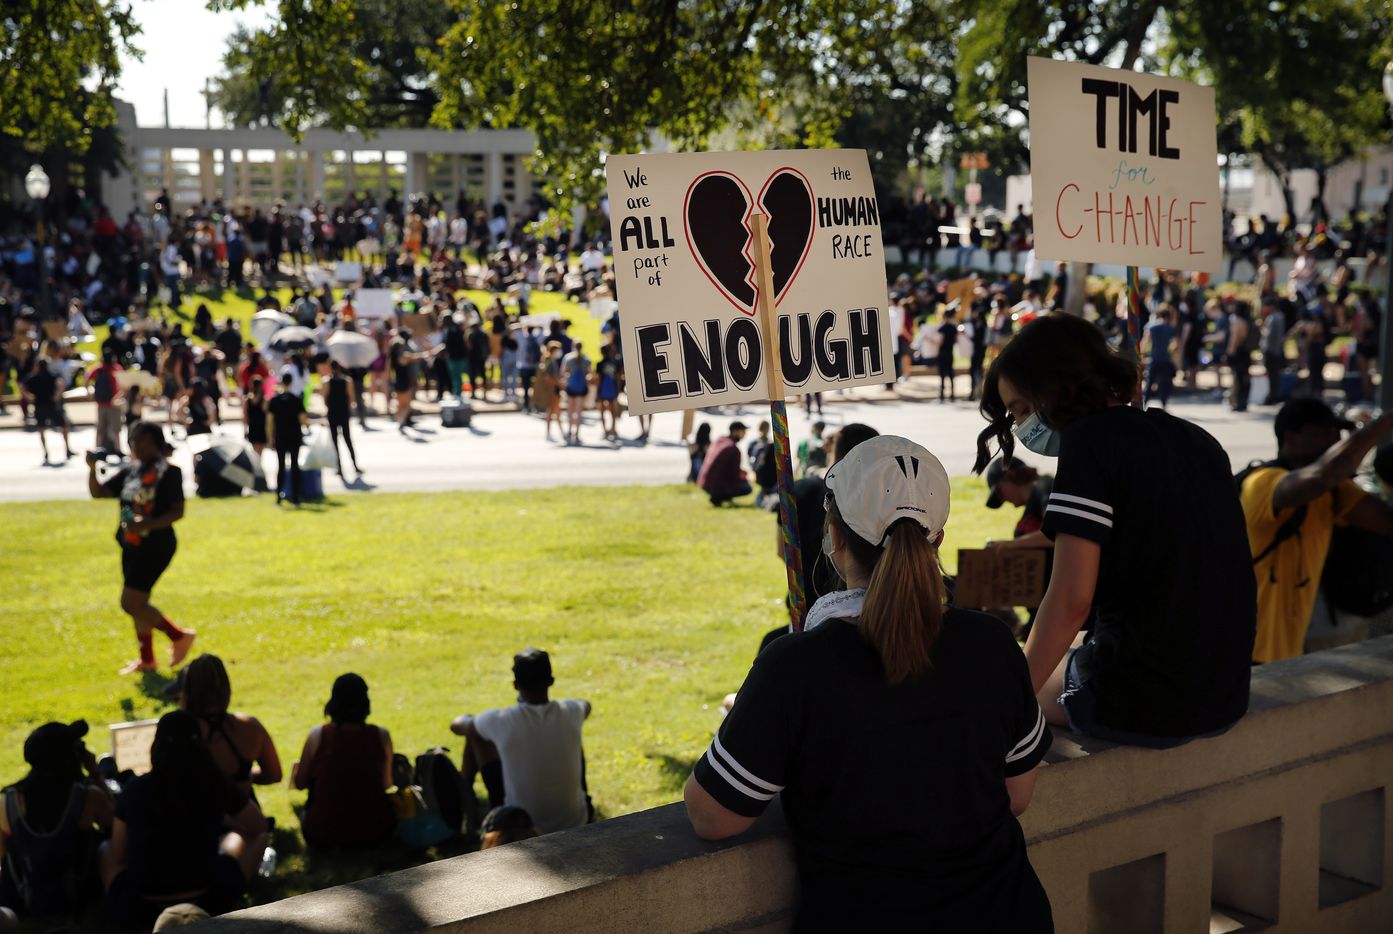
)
(1372, 514)
(463, 725)
(710, 819)
(387, 781)
(301, 771)
(1066, 605)
(267, 770)
(1020, 788)
(1339, 463)
(1036, 539)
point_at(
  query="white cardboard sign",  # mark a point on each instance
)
(685, 274)
(1124, 168)
(373, 303)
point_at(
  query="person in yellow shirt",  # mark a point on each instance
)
(1292, 505)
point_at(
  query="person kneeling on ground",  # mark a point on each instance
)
(1147, 530)
(531, 754)
(47, 844)
(1292, 506)
(346, 766)
(721, 476)
(901, 736)
(181, 832)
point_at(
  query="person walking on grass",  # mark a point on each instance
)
(151, 491)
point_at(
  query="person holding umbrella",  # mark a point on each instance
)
(151, 491)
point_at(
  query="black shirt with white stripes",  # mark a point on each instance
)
(1176, 598)
(895, 795)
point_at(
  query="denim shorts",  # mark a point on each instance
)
(1080, 703)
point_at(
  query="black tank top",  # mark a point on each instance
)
(338, 399)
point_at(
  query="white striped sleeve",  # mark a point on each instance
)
(748, 762)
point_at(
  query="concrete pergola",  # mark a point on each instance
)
(260, 166)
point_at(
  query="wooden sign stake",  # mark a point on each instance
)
(778, 415)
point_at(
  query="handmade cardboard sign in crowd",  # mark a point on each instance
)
(684, 258)
(1123, 168)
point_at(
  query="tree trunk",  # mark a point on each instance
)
(1319, 212)
(1288, 198)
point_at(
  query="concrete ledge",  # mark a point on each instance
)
(1273, 824)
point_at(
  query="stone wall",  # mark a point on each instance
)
(1282, 824)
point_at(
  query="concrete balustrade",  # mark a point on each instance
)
(1282, 824)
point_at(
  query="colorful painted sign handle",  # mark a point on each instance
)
(778, 415)
(788, 517)
(1135, 310)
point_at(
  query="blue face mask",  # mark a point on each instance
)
(1037, 436)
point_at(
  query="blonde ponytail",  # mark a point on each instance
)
(903, 608)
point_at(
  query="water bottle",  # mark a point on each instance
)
(268, 863)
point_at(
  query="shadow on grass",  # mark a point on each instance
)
(303, 868)
(673, 770)
(153, 685)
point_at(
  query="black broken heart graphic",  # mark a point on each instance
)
(719, 232)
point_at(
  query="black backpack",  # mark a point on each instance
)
(1289, 528)
(442, 788)
(1358, 574)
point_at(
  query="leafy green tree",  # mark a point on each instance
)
(396, 91)
(1299, 86)
(59, 60)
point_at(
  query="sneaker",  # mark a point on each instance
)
(179, 648)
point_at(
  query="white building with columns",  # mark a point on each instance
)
(259, 166)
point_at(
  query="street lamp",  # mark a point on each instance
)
(36, 185)
(1385, 363)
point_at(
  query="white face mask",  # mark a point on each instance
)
(1036, 436)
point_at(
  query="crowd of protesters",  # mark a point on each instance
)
(1157, 659)
(187, 838)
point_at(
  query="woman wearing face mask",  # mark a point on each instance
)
(902, 736)
(1147, 528)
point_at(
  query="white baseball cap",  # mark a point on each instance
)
(888, 478)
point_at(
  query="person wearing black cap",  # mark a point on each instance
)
(346, 766)
(536, 746)
(47, 845)
(721, 475)
(901, 736)
(1292, 505)
(1012, 480)
(151, 491)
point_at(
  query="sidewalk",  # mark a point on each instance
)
(920, 387)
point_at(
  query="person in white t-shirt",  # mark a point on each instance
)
(530, 755)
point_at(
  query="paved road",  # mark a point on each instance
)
(507, 450)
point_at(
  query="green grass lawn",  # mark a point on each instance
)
(651, 603)
(241, 305)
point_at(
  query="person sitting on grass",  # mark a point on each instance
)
(182, 833)
(239, 744)
(902, 736)
(346, 766)
(530, 754)
(47, 843)
(721, 475)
